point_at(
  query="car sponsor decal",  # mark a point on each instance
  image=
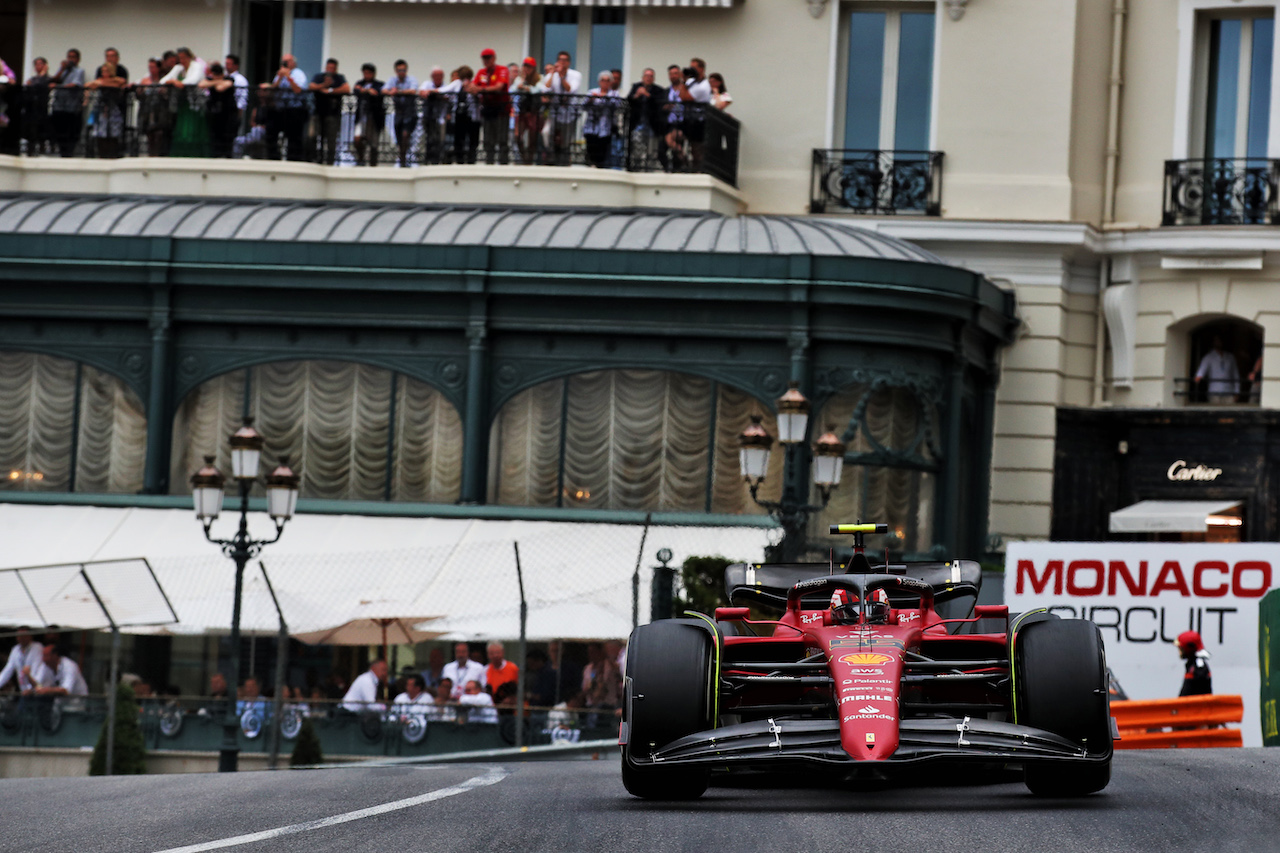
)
(904, 618)
(866, 671)
(883, 640)
(848, 718)
(866, 659)
(871, 737)
(863, 697)
(863, 684)
(811, 617)
(810, 584)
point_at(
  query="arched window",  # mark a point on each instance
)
(626, 439)
(353, 431)
(891, 463)
(68, 427)
(1223, 354)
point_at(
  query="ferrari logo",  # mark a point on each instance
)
(871, 737)
(866, 659)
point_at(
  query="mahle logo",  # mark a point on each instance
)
(866, 659)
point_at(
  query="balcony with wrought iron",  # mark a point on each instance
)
(1222, 191)
(546, 149)
(876, 182)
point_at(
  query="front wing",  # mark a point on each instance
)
(770, 743)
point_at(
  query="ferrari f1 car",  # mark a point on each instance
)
(864, 671)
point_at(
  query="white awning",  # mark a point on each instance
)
(1168, 516)
(325, 568)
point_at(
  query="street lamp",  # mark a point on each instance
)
(282, 499)
(793, 511)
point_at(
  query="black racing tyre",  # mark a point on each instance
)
(1061, 683)
(670, 693)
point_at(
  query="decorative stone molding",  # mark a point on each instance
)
(1120, 304)
(955, 8)
(817, 7)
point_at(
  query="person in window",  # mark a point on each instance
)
(371, 115)
(1198, 680)
(328, 87)
(1255, 381)
(1219, 367)
(720, 96)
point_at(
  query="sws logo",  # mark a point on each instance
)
(866, 659)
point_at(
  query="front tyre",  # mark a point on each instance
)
(670, 693)
(1061, 674)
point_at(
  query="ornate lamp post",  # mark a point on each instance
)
(282, 499)
(793, 511)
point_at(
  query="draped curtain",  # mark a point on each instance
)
(44, 420)
(352, 431)
(892, 420)
(632, 439)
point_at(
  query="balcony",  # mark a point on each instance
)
(1240, 392)
(1240, 191)
(412, 132)
(876, 182)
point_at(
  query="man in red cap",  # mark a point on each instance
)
(1198, 681)
(492, 82)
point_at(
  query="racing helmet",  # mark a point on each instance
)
(1189, 641)
(878, 607)
(844, 607)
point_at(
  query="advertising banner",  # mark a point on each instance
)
(1143, 594)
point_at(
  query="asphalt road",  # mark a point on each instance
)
(1168, 800)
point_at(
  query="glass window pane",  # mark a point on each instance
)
(608, 31)
(1260, 86)
(308, 37)
(866, 75)
(1224, 65)
(560, 32)
(915, 82)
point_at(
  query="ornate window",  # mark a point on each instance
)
(626, 439)
(68, 427)
(352, 431)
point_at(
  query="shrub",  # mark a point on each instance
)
(306, 750)
(129, 753)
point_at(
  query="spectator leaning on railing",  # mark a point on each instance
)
(364, 692)
(491, 82)
(371, 115)
(67, 103)
(107, 107)
(288, 112)
(220, 107)
(597, 128)
(563, 81)
(24, 657)
(328, 87)
(435, 116)
(37, 131)
(56, 675)
(527, 87)
(190, 130)
(403, 86)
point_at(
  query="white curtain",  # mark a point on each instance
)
(633, 439)
(333, 421)
(39, 417)
(899, 497)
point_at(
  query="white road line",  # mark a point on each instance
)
(492, 776)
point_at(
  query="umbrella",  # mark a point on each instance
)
(372, 623)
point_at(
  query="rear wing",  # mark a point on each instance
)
(768, 584)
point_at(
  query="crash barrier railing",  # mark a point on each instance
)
(195, 724)
(1189, 721)
(359, 129)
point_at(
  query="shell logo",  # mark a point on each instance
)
(866, 659)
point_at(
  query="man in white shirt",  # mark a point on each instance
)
(477, 704)
(57, 675)
(232, 64)
(435, 113)
(695, 90)
(189, 70)
(463, 669)
(363, 694)
(27, 654)
(413, 696)
(1220, 368)
(563, 82)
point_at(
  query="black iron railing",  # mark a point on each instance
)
(1221, 392)
(869, 181)
(350, 130)
(1240, 191)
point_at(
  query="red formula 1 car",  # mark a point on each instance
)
(862, 671)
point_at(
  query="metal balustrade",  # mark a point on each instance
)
(1222, 191)
(877, 182)
(371, 130)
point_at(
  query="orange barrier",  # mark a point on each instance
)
(1187, 722)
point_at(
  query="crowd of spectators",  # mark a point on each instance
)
(185, 106)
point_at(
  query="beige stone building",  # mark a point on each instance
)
(1113, 162)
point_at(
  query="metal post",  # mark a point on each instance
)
(111, 698)
(282, 652)
(229, 754)
(661, 595)
(524, 619)
(635, 576)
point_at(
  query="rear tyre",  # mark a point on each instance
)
(670, 693)
(1061, 675)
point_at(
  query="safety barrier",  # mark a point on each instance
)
(1186, 722)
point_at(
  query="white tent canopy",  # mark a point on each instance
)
(577, 576)
(1168, 516)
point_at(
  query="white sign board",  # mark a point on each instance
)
(1143, 594)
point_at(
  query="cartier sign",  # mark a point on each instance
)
(1180, 471)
